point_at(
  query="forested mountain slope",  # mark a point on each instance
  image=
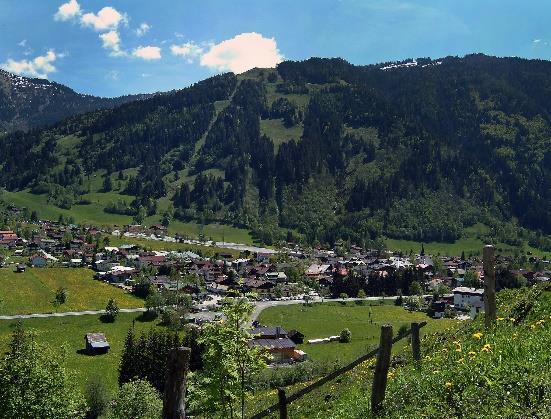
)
(322, 149)
(28, 103)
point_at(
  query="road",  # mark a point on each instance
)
(259, 307)
(67, 314)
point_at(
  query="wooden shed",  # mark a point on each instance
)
(96, 343)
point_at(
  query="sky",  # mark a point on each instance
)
(117, 47)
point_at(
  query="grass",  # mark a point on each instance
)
(33, 291)
(470, 243)
(67, 333)
(279, 133)
(323, 320)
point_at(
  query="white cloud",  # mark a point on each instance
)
(23, 43)
(112, 41)
(143, 29)
(536, 41)
(241, 53)
(106, 19)
(39, 67)
(147, 53)
(68, 11)
(190, 51)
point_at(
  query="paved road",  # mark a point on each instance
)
(67, 314)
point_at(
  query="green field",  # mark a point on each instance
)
(33, 291)
(67, 334)
(278, 133)
(323, 320)
(470, 243)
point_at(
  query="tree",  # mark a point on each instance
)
(60, 298)
(107, 183)
(415, 288)
(228, 362)
(345, 336)
(97, 396)
(35, 384)
(136, 400)
(361, 294)
(154, 302)
(111, 310)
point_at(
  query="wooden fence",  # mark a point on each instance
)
(382, 352)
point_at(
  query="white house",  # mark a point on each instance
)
(472, 297)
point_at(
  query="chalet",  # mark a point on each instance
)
(464, 297)
(158, 229)
(276, 276)
(96, 343)
(315, 271)
(7, 235)
(275, 341)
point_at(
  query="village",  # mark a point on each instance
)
(439, 286)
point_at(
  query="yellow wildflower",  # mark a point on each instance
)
(500, 318)
(486, 348)
(390, 375)
(478, 335)
(456, 342)
(461, 360)
(448, 385)
(472, 353)
(435, 372)
(512, 319)
(532, 326)
(445, 350)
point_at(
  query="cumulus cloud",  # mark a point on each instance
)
(190, 51)
(143, 29)
(112, 41)
(147, 53)
(106, 19)
(242, 52)
(39, 67)
(68, 11)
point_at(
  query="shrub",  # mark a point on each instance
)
(345, 336)
(97, 397)
(136, 400)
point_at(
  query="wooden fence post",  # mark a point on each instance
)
(381, 369)
(489, 285)
(415, 341)
(282, 403)
(174, 403)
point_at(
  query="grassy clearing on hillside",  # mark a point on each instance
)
(34, 290)
(67, 333)
(279, 133)
(323, 320)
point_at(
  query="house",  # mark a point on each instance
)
(96, 343)
(464, 297)
(38, 261)
(7, 235)
(276, 342)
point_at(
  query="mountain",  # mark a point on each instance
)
(318, 150)
(29, 103)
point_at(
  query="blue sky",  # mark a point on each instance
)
(116, 47)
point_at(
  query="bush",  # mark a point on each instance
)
(345, 336)
(136, 400)
(97, 397)
(170, 318)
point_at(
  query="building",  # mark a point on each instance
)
(464, 297)
(276, 342)
(96, 343)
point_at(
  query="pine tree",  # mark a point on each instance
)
(127, 367)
